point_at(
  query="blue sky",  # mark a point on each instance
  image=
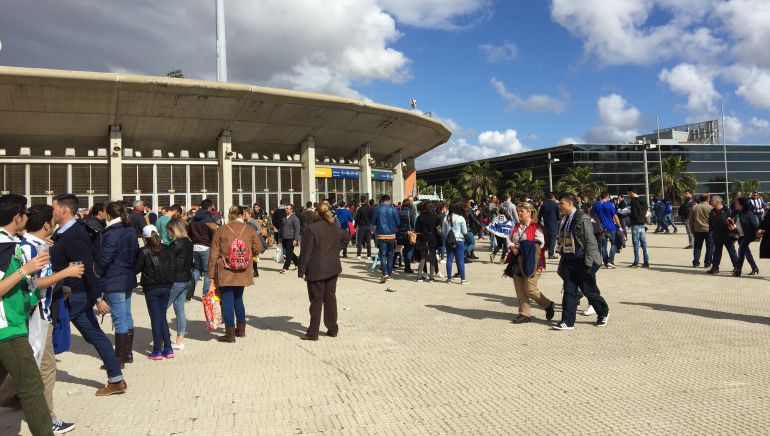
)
(505, 76)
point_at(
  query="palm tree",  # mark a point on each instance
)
(525, 185)
(478, 180)
(450, 191)
(579, 181)
(745, 186)
(676, 179)
(422, 187)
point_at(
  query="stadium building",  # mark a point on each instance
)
(176, 141)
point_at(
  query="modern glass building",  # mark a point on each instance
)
(622, 165)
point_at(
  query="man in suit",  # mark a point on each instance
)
(72, 244)
(549, 218)
(319, 264)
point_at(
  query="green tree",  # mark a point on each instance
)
(676, 179)
(523, 184)
(422, 187)
(579, 181)
(746, 187)
(478, 180)
(450, 191)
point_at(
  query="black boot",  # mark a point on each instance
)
(128, 347)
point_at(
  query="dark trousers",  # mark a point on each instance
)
(500, 244)
(288, 252)
(16, 359)
(744, 253)
(729, 244)
(81, 310)
(576, 275)
(700, 238)
(364, 236)
(232, 304)
(157, 305)
(551, 234)
(323, 293)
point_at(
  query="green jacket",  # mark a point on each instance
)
(16, 304)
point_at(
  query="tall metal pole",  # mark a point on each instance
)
(550, 174)
(646, 178)
(660, 158)
(724, 151)
(221, 42)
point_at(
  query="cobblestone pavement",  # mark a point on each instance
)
(683, 353)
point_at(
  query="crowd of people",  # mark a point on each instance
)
(62, 265)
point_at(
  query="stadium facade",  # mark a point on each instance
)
(176, 141)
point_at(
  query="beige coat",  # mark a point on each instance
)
(220, 247)
(699, 217)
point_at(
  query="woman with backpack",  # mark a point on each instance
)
(455, 229)
(230, 268)
(157, 264)
(526, 244)
(117, 279)
(182, 247)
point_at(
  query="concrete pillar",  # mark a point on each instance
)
(398, 177)
(115, 154)
(307, 153)
(365, 171)
(225, 157)
(410, 177)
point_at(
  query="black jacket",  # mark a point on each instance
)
(183, 255)
(427, 233)
(364, 216)
(764, 246)
(157, 271)
(685, 209)
(749, 224)
(138, 222)
(74, 245)
(718, 223)
(638, 214)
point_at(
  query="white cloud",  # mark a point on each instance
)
(756, 129)
(490, 143)
(746, 21)
(567, 140)
(534, 102)
(753, 84)
(618, 32)
(505, 52)
(442, 14)
(695, 82)
(618, 121)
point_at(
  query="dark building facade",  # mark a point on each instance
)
(622, 165)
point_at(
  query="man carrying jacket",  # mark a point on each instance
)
(386, 221)
(699, 223)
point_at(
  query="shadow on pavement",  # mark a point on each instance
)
(473, 313)
(706, 313)
(64, 376)
(277, 323)
(508, 301)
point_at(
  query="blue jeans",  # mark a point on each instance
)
(177, 297)
(232, 303)
(670, 220)
(386, 253)
(729, 244)
(492, 243)
(609, 239)
(157, 305)
(201, 259)
(470, 242)
(700, 238)
(639, 239)
(459, 253)
(120, 310)
(81, 310)
(744, 253)
(551, 234)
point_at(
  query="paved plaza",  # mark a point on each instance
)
(683, 353)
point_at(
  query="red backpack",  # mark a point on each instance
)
(238, 258)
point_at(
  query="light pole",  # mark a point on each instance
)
(648, 146)
(551, 161)
(221, 42)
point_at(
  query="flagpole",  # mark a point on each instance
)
(724, 151)
(660, 160)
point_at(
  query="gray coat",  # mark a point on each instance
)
(585, 238)
(291, 228)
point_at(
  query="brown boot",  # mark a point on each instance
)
(128, 355)
(240, 330)
(229, 335)
(120, 345)
(112, 388)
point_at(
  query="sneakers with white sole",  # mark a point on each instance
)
(589, 311)
(602, 321)
(60, 427)
(562, 326)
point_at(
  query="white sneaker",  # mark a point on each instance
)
(589, 311)
(442, 261)
(464, 282)
(611, 265)
(176, 346)
(439, 275)
(358, 257)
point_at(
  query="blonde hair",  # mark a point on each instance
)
(530, 208)
(177, 228)
(325, 213)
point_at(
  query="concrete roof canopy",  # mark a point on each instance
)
(57, 109)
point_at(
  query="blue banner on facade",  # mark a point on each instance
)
(344, 173)
(382, 175)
